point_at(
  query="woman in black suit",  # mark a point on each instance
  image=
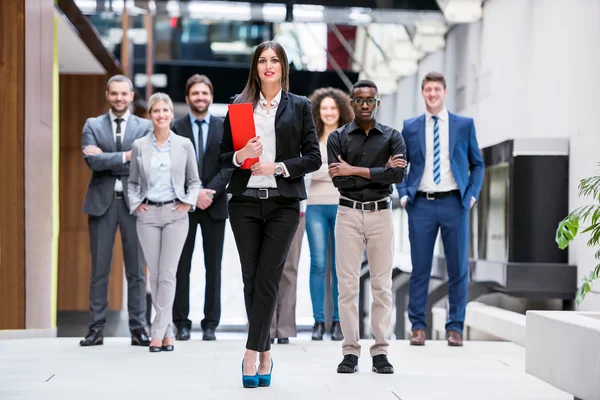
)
(264, 208)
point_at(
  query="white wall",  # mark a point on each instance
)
(529, 68)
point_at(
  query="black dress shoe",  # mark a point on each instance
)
(272, 341)
(94, 337)
(183, 333)
(318, 331)
(139, 337)
(336, 331)
(381, 365)
(209, 334)
(349, 365)
(155, 349)
(283, 340)
(168, 347)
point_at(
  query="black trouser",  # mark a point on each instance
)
(263, 231)
(213, 235)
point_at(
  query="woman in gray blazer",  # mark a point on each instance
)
(163, 165)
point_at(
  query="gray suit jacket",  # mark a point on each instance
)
(107, 167)
(184, 170)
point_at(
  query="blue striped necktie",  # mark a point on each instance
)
(436, 150)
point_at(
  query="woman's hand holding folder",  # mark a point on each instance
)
(253, 149)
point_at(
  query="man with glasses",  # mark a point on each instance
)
(365, 159)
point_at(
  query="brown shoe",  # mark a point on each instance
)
(454, 339)
(418, 337)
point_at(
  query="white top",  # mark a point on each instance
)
(447, 182)
(113, 117)
(264, 123)
(322, 190)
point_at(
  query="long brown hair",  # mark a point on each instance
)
(342, 101)
(251, 93)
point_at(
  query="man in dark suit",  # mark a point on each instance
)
(444, 181)
(106, 145)
(205, 131)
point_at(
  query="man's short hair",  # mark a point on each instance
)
(364, 83)
(434, 77)
(119, 78)
(195, 79)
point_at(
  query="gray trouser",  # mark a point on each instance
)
(162, 232)
(355, 229)
(283, 324)
(102, 231)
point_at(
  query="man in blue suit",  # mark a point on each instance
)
(444, 181)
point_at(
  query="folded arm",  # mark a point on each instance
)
(388, 174)
(357, 177)
(103, 161)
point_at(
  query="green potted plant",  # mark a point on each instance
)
(590, 216)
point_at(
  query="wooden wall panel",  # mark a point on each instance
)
(81, 97)
(12, 200)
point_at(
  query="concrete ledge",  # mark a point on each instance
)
(497, 322)
(27, 333)
(562, 349)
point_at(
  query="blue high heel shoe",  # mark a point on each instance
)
(249, 381)
(265, 380)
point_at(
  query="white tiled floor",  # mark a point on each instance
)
(50, 369)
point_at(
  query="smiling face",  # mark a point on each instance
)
(161, 115)
(434, 94)
(329, 112)
(199, 98)
(269, 67)
(119, 96)
(364, 103)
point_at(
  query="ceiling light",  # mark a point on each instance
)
(173, 8)
(273, 12)
(220, 10)
(360, 15)
(308, 13)
(461, 11)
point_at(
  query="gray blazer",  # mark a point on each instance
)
(184, 170)
(107, 167)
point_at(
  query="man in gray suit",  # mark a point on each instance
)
(106, 145)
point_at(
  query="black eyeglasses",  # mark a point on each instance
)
(359, 101)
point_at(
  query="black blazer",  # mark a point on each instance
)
(297, 147)
(212, 176)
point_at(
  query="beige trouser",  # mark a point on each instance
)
(162, 232)
(353, 230)
(283, 324)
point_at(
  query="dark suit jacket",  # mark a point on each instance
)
(212, 176)
(108, 166)
(297, 147)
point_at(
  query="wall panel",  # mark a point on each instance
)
(12, 201)
(81, 97)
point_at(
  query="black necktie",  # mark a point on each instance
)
(200, 147)
(119, 135)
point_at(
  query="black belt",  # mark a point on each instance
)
(367, 205)
(262, 194)
(117, 195)
(437, 195)
(159, 203)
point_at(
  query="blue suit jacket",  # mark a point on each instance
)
(465, 157)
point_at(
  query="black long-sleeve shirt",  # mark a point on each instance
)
(369, 151)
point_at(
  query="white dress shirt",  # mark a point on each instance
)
(264, 123)
(113, 117)
(447, 182)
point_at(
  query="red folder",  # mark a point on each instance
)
(241, 120)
